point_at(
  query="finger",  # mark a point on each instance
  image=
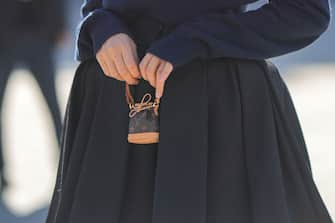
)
(115, 74)
(131, 60)
(143, 65)
(111, 69)
(151, 70)
(123, 71)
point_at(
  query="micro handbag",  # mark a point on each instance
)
(143, 119)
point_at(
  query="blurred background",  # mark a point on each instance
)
(32, 108)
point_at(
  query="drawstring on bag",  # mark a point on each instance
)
(143, 123)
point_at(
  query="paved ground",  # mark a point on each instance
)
(31, 150)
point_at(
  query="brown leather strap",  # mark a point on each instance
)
(131, 102)
(129, 97)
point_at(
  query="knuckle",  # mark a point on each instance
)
(160, 70)
(143, 63)
(121, 66)
(148, 75)
(150, 72)
(124, 72)
(133, 67)
(142, 66)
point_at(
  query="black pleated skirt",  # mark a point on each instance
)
(231, 150)
(257, 164)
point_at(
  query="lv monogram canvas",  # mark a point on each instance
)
(144, 119)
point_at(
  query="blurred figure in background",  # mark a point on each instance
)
(29, 31)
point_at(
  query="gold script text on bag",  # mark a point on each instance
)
(144, 121)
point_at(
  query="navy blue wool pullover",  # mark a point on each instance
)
(208, 28)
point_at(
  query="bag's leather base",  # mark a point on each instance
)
(143, 138)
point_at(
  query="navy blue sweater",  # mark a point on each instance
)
(207, 28)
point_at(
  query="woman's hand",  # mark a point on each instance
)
(156, 71)
(118, 58)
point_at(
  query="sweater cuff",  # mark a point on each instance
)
(178, 49)
(99, 26)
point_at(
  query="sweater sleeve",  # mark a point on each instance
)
(97, 25)
(276, 28)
